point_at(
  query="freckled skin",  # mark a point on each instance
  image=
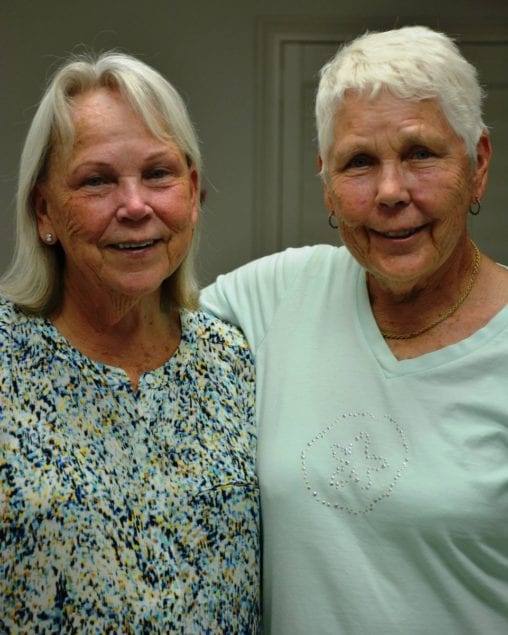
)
(119, 184)
(398, 165)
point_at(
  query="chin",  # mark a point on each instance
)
(399, 283)
(135, 289)
(404, 267)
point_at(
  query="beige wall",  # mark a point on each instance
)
(207, 48)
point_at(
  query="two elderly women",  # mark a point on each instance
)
(381, 365)
(128, 495)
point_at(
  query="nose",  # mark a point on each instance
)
(132, 200)
(392, 190)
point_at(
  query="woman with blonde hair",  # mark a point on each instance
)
(128, 496)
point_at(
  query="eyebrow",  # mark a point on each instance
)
(366, 146)
(347, 152)
(154, 156)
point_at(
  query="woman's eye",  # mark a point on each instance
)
(94, 181)
(359, 161)
(157, 173)
(421, 154)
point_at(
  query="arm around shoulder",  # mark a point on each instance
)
(250, 295)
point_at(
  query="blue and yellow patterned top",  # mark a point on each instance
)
(121, 511)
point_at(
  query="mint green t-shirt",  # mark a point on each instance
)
(384, 483)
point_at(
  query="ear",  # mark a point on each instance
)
(483, 156)
(326, 190)
(195, 194)
(44, 224)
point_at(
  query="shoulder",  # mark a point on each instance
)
(221, 359)
(213, 334)
(270, 277)
(23, 337)
(318, 257)
(212, 329)
(489, 295)
(293, 259)
(252, 295)
(10, 318)
(296, 267)
(8, 312)
(293, 264)
(11, 347)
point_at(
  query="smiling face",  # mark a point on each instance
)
(123, 205)
(400, 184)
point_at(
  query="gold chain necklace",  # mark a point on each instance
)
(474, 273)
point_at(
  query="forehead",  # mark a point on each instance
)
(103, 110)
(100, 118)
(364, 115)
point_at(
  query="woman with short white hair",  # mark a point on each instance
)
(382, 364)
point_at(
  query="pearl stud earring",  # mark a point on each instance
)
(49, 238)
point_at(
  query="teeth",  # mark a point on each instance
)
(148, 243)
(403, 234)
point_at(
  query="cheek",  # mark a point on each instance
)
(445, 196)
(356, 241)
(177, 212)
(59, 214)
(353, 212)
(75, 228)
(352, 235)
(460, 193)
(78, 221)
(353, 202)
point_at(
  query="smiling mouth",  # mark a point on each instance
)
(405, 233)
(132, 246)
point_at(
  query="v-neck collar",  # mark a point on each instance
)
(394, 367)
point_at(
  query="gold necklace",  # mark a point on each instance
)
(474, 273)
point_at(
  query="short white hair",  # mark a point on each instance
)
(34, 280)
(413, 63)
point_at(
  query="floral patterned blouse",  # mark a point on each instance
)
(121, 511)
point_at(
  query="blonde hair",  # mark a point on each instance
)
(34, 280)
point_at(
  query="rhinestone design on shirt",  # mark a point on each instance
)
(355, 462)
